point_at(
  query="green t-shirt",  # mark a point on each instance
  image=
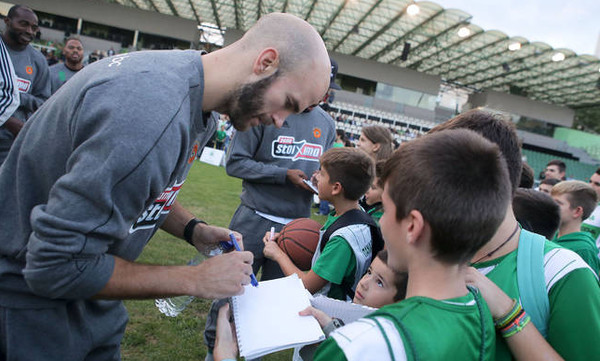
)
(376, 212)
(573, 294)
(337, 263)
(592, 225)
(584, 245)
(338, 145)
(432, 330)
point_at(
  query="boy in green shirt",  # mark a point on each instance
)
(338, 264)
(440, 318)
(568, 286)
(576, 201)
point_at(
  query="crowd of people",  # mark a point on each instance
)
(444, 234)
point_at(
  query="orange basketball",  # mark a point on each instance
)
(298, 239)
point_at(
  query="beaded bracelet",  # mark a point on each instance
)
(501, 322)
(516, 326)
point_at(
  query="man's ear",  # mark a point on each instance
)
(266, 62)
(416, 226)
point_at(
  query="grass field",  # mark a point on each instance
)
(212, 196)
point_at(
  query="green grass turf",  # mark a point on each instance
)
(212, 196)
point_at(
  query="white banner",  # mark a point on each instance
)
(212, 156)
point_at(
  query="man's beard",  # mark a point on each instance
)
(245, 102)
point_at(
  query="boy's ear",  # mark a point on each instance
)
(376, 147)
(416, 227)
(266, 62)
(337, 189)
(578, 212)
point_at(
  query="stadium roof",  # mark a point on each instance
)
(442, 42)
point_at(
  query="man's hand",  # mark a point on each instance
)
(208, 237)
(13, 125)
(296, 176)
(223, 275)
(226, 342)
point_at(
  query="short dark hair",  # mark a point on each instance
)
(12, 12)
(598, 171)
(382, 136)
(495, 128)
(352, 167)
(579, 194)
(536, 212)
(458, 180)
(73, 37)
(400, 278)
(526, 177)
(550, 181)
(562, 167)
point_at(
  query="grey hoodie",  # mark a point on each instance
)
(94, 173)
(262, 155)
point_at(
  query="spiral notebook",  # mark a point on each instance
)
(266, 317)
(345, 311)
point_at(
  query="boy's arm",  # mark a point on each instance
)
(312, 281)
(528, 344)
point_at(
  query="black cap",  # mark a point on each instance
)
(334, 70)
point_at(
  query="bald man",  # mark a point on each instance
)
(98, 169)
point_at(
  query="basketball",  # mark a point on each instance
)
(298, 239)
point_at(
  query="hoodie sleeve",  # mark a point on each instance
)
(123, 155)
(244, 159)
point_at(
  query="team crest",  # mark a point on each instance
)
(317, 133)
(287, 147)
(194, 153)
(29, 69)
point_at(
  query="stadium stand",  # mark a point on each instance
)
(575, 169)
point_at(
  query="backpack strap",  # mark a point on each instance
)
(352, 217)
(356, 216)
(531, 280)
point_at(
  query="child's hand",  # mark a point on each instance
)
(498, 302)
(226, 342)
(267, 236)
(271, 250)
(321, 316)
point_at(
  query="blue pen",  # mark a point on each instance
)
(253, 279)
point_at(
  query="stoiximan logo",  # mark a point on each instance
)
(287, 147)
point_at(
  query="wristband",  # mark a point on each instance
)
(516, 326)
(332, 326)
(188, 231)
(502, 321)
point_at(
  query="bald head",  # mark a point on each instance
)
(299, 45)
(279, 67)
